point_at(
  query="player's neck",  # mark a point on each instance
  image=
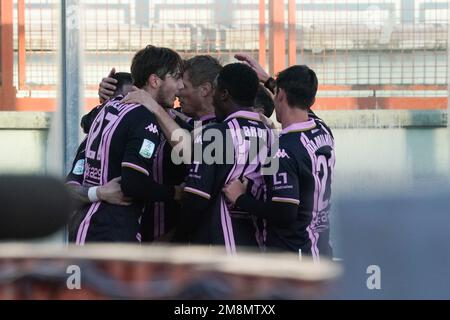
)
(205, 110)
(152, 91)
(294, 115)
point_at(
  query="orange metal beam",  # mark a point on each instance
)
(7, 90)
(399, 103)
(322, 103)
(22, 44)
(262, 33)
(292, 36)
(48, 104)
(277, 42)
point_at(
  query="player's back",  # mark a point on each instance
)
(308, 150)
(109, 137)
(121, 136)
(244, 150)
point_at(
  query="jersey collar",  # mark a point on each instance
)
(207, 117)
(244, 114)
(300, 126)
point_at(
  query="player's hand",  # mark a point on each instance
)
(269, 123)
(107, 87)
(112, 193)
(140, 96)
(235, 189)
(252, 63)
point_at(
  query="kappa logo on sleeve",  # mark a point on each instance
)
(152, 128)
(147, 149)
(79, 167)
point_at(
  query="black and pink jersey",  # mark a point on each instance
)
(306, 166)
(160, 218)
(76, 174)
(242, 149)
(121, 136)
(202, 121)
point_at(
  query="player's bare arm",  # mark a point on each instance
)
(263, 76)
(110, 193)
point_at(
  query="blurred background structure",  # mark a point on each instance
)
(368, 54)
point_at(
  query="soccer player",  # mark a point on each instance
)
(122, 142)
(196, 99)
(207, 217)
(110, 192)
(270, 82)
(299, 193)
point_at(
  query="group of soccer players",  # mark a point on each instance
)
(211, 172)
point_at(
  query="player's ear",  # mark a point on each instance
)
(224, 95)
(279, 96)
(206, 89)
(154, 81)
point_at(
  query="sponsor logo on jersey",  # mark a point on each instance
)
(147, 149)
(79, 167)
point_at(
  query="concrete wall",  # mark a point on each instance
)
(376, 149)
(23, 142)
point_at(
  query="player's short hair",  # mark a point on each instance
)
(240, 81)
(264, 101)
(202, 69)
(155, 60)
(123, 79)
(300, 84)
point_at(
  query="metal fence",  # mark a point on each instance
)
(367, 54)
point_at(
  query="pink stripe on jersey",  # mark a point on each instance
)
(244, 114)
(108, 137)
(207, 117)
(156, 232)
(227, 228)
(135, 167)
(313, 235)
(198, 192)
(75, 183)
(84, 226)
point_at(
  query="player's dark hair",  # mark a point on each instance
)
(202, 69)
(155, 60)
(123, 79)
(240, 81)
(264, 101)
(300, 84)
